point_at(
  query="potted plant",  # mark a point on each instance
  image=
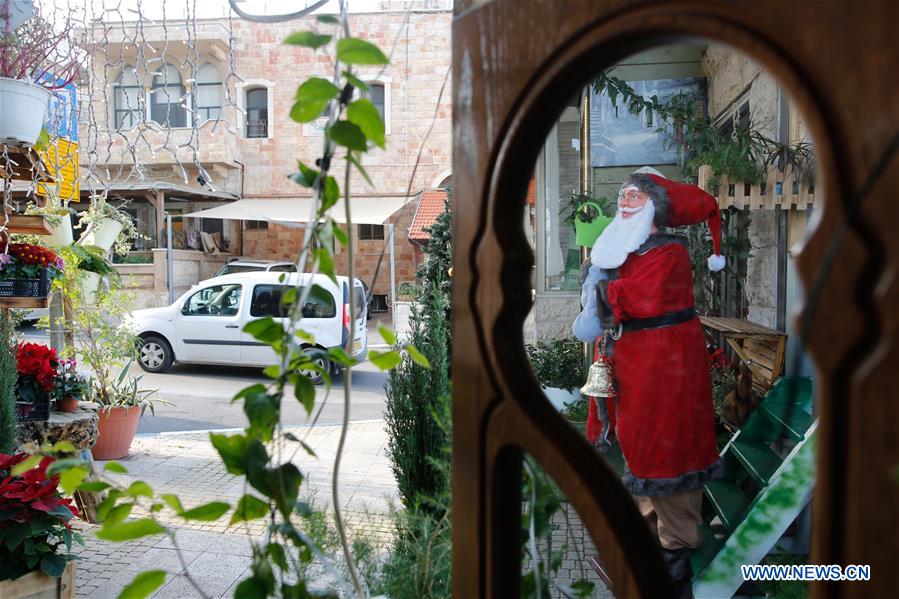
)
(122, 402)
(35, 527)
(36, 369)
(589, 217)
(559, 366)
(92, 269)
(35, 58)
(106, 228)
(59, 216)
(27, 270)
(70, 386)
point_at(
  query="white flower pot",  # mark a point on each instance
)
(62, 233)
(101, 235)
(22, 115)
(90, 282)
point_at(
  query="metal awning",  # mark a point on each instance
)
(366, 211)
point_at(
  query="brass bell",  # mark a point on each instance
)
(599, 380)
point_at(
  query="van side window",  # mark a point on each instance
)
(219, 300)
(267, 302)
(283, 268)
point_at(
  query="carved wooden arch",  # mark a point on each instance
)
(515, 63)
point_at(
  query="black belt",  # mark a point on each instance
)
(656, 322)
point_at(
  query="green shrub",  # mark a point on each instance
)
(557, 363)
(7, 382)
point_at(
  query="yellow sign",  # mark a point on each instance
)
(61, 161)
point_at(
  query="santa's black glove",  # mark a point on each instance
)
(603, 309)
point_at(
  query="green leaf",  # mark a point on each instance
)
(305, 336)
(325, 262)
(312, 98)
(352, 50)
(139, 488)
(108, 504)
(61, 465)
(251, 588)
(272, 372)
(114, 466)
(143, 585)
(173, 502)
(276, 552)
(118, 513)
(207, 512)
(307, 39)
(43, 140)
(53, 565)
(364, 114)
(303, 444)
(130, 530)
(232, 450)
(306, 177)
(94, 486)
(304, 391)
(265, 329)
(328, 19)
(388, 335)
(338, 355)
(63, 447)
(25, 465)
(262, 411)
(385, 360)
(417, 356)
(348, 134)
(249, 508)
(351, 156)
(330, 193)
(72, 478)
(357, 83)
(341, 236)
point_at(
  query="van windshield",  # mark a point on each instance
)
(230, 269)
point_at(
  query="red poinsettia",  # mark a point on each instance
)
(32, 503)
(38, 361)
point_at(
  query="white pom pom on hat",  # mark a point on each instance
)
(716, 262)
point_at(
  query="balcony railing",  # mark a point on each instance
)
(257, 129)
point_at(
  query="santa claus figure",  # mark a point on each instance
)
(663, 414)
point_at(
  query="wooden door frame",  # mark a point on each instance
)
(513, 63)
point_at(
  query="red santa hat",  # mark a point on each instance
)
(680, 204)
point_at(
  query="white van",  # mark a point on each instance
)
(205, 325)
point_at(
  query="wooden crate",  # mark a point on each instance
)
(37, 585)
(760, 348)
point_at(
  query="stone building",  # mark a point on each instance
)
(182, 116)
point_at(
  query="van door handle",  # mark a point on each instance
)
(232, 326)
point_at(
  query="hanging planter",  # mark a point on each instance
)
(101, 235)
(90, 283)
(60, 233)
(24, 106)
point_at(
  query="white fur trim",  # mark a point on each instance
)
(716, 262)
(648, 170)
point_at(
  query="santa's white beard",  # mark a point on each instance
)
(622, 236)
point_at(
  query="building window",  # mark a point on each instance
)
(126, 100)
(256, 224)
(375, 93)
(167, 98)
(208, 94)
(370, 231)
(257, 112)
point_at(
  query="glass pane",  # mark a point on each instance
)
(219, 300)
(319, 303)
(209, 95)
(562, 254)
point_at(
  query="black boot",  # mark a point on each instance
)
(678, 563)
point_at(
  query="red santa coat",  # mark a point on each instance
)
(664, 417)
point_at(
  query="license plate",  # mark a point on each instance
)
(357, 347)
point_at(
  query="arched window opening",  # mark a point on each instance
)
(257, 112)
(167, 98)
(208, 94)
(126, 100)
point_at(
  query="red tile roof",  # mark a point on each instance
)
(430, 206)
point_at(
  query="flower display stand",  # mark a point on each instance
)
(81, 429)
(37, 585)
(760, 348)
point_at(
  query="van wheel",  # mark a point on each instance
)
(155, 354)
(316, 376)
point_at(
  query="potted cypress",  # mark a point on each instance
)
(559, 366)
(35, 58)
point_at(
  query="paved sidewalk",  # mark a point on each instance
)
(216, 556)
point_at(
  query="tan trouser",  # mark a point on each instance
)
(675, 518)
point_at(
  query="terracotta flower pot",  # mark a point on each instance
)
(117, 429)
(67, 404)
